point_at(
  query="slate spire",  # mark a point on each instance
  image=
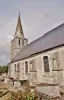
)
(19, 30)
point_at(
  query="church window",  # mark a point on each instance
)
(26, 67)
(19, 41)
(15, 67)
(22, 42)
(33, 67)
(55, 61)
(46, 63)
(18, 67)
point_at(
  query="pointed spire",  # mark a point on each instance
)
(19, 30)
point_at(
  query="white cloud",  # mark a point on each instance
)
(10, 37)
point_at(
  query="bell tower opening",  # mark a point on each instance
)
(19, 40)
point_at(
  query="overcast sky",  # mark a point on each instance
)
(37, 17)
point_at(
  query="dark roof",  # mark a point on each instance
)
(51, 39)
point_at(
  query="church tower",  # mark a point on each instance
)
(19, 40)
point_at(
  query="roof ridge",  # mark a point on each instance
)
(45, 34)
(52, 29)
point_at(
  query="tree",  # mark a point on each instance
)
(3, 69)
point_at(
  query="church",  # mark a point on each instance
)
(41, 61)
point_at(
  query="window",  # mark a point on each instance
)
(15, 67)
(22, 42)
(55, 61)
(19, 41)
(33, 65)
(26, 67)
(46, 64)
(18, 67)
(18, 71)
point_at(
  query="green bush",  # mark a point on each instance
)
(23, 95)
(3, 69)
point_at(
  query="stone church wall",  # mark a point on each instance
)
(56, 66)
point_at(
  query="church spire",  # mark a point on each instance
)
(19, 30)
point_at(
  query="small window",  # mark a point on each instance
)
(33, 65)
(46, 64)
(18, 67)
(19, 41)
(15, 67)
(26, 67)
(22, 42)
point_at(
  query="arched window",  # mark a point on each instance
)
(19, 41)
(46, 63)
(26, 67)
(15, 67)
(33, 65)
(22, 42)
(18, 67)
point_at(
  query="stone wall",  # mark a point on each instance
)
(15, 47)
(56, 63)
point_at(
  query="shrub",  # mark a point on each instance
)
(23, 95)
